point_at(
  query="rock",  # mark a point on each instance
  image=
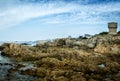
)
(17, 51)
(69, 59)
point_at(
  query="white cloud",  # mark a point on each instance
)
(88, 14)
(78, 13)
(22, 13)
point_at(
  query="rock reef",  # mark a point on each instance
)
(70, 59)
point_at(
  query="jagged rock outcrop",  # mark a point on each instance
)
(17, 51)
(108, 44)
(102, 44)
(99, 43)
(100, 40)
(70, 59)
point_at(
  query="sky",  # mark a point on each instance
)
(29, 20)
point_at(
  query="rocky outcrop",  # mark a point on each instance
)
(108, 44)
(17, 51)
(70, 59)
(72, 70)
(103, 44)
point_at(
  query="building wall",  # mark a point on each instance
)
(112, 30)
(112, 27)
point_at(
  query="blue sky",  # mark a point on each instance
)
(48, 19)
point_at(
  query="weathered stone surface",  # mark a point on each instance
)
(70, 59)
(17, 51)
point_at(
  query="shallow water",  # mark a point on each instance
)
(4, 59)
(6, 75)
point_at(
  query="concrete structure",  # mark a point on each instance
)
(87, 35)
(112, 27)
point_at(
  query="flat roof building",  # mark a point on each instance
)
(112, 27)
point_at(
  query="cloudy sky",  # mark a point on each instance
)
(48, 19)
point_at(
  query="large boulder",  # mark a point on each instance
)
(101, 44)
(108, 44)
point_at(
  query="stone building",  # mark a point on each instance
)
(112, 27)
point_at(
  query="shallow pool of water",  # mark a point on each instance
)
(6, 64)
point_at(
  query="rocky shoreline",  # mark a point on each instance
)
(68, 59)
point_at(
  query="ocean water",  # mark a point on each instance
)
(30, 43)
